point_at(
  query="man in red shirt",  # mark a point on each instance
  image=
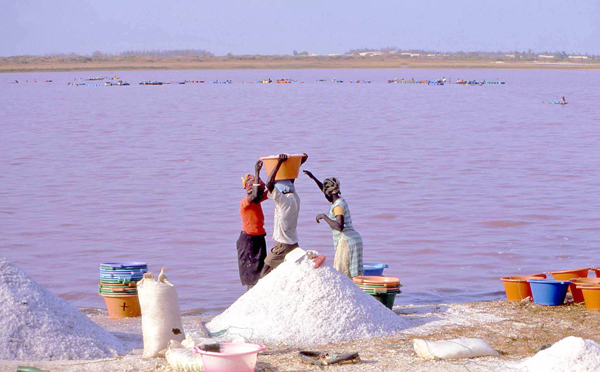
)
(251, 245)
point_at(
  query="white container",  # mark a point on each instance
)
(234, 357)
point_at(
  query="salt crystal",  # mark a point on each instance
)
(296, 304)
(36, 325)
(572, 354)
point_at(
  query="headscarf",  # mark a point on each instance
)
(331, 186)
(284, 186)
(248, 182)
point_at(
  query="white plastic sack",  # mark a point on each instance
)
(453, 349)
(161, 316)
(182, 359)
(295, 255)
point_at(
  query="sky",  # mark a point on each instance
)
(265, 27)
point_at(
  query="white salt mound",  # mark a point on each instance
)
(296, 304)
(37, 325)
(572, 354)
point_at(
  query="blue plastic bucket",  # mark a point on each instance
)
(125, 275)
(373, 269)
(127, 265)
(549, 292)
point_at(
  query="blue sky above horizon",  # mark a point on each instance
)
(279, 27)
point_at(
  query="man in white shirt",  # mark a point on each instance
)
(287, 208)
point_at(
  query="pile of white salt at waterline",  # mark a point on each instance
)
(572, 354)
(36, 325)
(298, 305)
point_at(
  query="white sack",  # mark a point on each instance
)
(295, 255)
(182, 359)
(161, 316)
(453, 349)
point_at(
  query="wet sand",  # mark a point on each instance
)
(516, 330)
(40, 64)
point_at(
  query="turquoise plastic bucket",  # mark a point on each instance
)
(373, 269)
(549, 292)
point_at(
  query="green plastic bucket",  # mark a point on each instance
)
(386, 298)
(111, 293)
(117, 281)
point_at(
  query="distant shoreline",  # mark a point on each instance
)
(260, 63)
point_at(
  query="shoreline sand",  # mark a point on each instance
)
(223, 63)
(515, 329)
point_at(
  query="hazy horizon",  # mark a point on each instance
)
(272, 27)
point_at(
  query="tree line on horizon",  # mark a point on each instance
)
(391, 52)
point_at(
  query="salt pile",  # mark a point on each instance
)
(572, 354)
(296, 304)
(37, 325)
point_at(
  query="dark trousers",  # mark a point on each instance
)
(251, 252)
(276, 256)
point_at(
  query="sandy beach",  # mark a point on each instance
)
(517, 330)
(55, 64)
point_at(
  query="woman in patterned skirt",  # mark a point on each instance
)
(347, 242)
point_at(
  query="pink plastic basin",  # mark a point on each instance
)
(234, 357)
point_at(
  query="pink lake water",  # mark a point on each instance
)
(451, 186)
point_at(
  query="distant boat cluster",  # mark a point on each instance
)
(98, 81)
(116, 81)
(341, 81)
(443, 81)
(34, 81)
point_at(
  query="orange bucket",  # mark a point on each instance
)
(124, 306)
(289, 169)
(377, 281)
(577, 283)
(517, 288)
(591, 294)
(570, 274)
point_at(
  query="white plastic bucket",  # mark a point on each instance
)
(238, 357)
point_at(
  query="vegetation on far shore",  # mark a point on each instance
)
(356, 58)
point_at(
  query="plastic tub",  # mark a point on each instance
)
(549, 292)
(122, 276)
(576, 285)
(118, 281)
(569, 274)
(591, 294)
(387, 299)
(124, 272)
(127, 265)
(380, 281)
(374, 269)
(118, 285)
(289, 169)
(517, 288)
(237, 357)
(117, 291)
(378, 289)
(122, 306)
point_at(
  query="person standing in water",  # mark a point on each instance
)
(347, 242)
(251, 245)
(287, 208)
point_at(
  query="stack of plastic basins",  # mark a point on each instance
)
(383, 288)
(374, 268)
(118, 286)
